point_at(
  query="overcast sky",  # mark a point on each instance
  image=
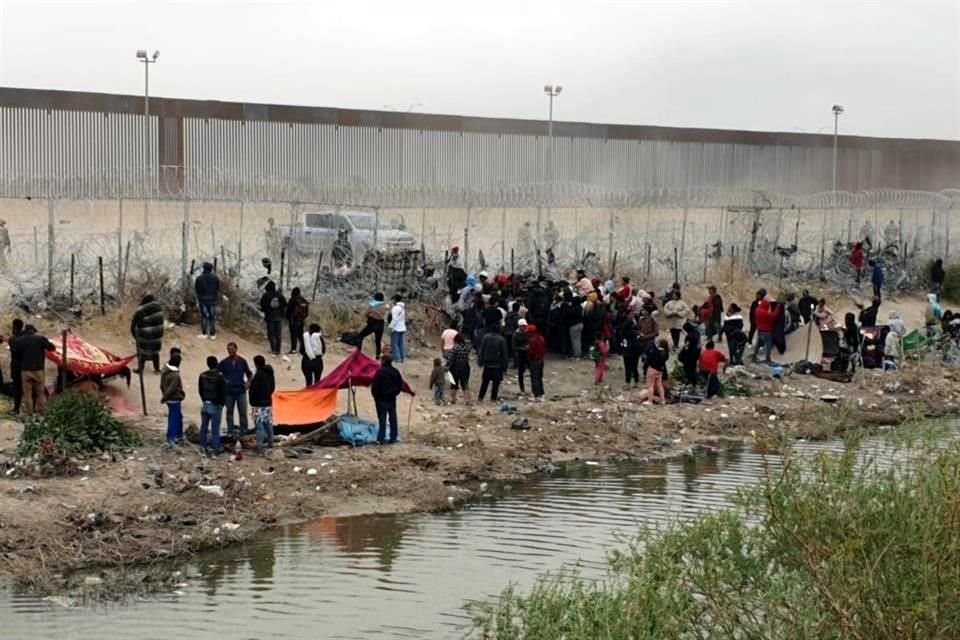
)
(766, 65)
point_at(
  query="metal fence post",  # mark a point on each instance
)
(683, 242)
(240, 245)
(50, 247)
(185, 235)
(119, 246)
(466, 242)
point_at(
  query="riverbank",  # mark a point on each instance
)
(148, 506)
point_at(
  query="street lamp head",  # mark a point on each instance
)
(142, 54)
(156, 54)
(557, 90)
(837, 109)
(548, 88)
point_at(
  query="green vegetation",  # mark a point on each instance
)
(74, 423)
(840, 545)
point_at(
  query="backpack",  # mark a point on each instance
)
(275, 302)
(301, 310)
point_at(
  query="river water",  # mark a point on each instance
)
(400, 576)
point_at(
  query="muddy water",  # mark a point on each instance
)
(405, 576)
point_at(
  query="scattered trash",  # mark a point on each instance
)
(592, 463)
(520, 424)
(311, 471)
(213, 489)
(91, 581)
(231, 526)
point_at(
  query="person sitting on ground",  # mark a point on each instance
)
(676, 313)
(458, 364)
(536, 353)
(710, 361)
(493, 358)
(733, 331)
(655, 363)
(385, 387)
(438, 381)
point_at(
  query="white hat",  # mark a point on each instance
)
(521, 322)
(483, 274)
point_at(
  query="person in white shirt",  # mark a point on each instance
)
(313, 348)
(398, 329)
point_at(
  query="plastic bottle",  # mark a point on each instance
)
(238, 450)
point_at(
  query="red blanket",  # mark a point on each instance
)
(84, 358)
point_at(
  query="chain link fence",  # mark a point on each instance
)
(58, 244)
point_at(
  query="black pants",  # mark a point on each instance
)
(17, 388)
(713, 385)
(154, 359)
(536, 378)
(491, 376)
(520, 357)
(376, 328)
(312, 370)
(274, 330)
(296, 335)
(631, 364)
(876, 291)
(675, 336)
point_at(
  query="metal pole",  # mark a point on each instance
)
(183, 248)
(63, 361)
(146, 143)
(103, 308)
(73, 266)
(50, 247)
(120, 246)
(503, 238)
(836, 128)
(683, 238)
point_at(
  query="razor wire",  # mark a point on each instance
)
(159, 243)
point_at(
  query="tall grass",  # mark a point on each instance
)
(853, 545)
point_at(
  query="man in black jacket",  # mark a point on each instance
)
(30, 350)
(262, 386)
(273, 306)
(386, 386)
(213, 392)
(207, 288)
(493, 359)
(761, 294)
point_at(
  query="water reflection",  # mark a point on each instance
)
(405, 576)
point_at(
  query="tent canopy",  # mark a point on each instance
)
(356, 370)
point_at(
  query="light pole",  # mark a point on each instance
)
(837, 110)
(553, 91)
(147, 61)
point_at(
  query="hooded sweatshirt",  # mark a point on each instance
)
(398, 318)
(765, 317)
(314, 345)
(262, 386)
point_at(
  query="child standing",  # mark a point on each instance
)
(599, 353)
(438, 381)
(710, 361)
(171, 394)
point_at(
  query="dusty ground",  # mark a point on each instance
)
(147, 505)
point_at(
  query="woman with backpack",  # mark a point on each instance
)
(297, 311)
(312, 349)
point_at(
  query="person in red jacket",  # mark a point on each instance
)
(710, 361)
(536, 352)
(765, 318)
(857, 260)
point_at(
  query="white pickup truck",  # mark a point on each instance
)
(317, 231)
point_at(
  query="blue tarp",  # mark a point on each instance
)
(356, 431)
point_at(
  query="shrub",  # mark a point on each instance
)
(846, 545)
(951, 284)
(75, 423)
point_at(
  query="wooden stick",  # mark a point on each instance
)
(307, 437)
(73, 260)
(63, 363)
(103, 310)
(316, 280)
